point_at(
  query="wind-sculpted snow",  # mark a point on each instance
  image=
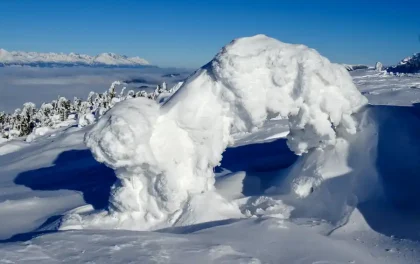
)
(259, 77)
(164, 157)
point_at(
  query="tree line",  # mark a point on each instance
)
(24, 120)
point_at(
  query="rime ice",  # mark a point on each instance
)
(164, 156)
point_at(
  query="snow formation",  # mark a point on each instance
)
(378, 66)
(72, 59)
(164, 156)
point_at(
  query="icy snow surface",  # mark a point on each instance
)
(350, 198)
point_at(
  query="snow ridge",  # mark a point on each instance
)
(8, 58)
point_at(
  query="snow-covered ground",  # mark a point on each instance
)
(351, 199)
(388, 89)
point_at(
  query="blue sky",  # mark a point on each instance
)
(189, 33)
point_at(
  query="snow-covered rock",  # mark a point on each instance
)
(408, 65)
(164, 156)
(72, 59)
(38, 132)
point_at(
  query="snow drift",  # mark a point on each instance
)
(164, 156)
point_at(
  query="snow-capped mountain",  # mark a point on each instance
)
(9, 58)
(408, 65)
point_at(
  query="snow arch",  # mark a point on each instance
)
(164, 156)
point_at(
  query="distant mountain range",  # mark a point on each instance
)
(36, 59)
(408, 65)
(355, 67)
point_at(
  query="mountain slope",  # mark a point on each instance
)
(67, 60)
(408, 65)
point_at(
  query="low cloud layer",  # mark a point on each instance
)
(25, 84)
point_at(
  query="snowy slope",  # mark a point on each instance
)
(8, 58)
(251, 241)
(346, 198)
(42, 180)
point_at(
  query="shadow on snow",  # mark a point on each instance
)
(74, 170)
(397, 162)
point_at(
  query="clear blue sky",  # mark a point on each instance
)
(189, 33)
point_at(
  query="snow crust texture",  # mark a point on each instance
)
(164, 156)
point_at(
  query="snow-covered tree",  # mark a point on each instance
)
(3, 124)
(63, 106)
(23, 121)
(27, 121)
(111, 91)
(44, 115)
(75, 107)
(90, 98)
(122, 92)
(130, 94)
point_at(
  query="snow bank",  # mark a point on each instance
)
(379, 164)
(2, 140)
(164, 157)
(38, 132)
(10, 146)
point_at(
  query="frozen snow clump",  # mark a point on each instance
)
(164, 155)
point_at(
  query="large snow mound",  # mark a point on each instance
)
(164, 157)
(259, 77)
